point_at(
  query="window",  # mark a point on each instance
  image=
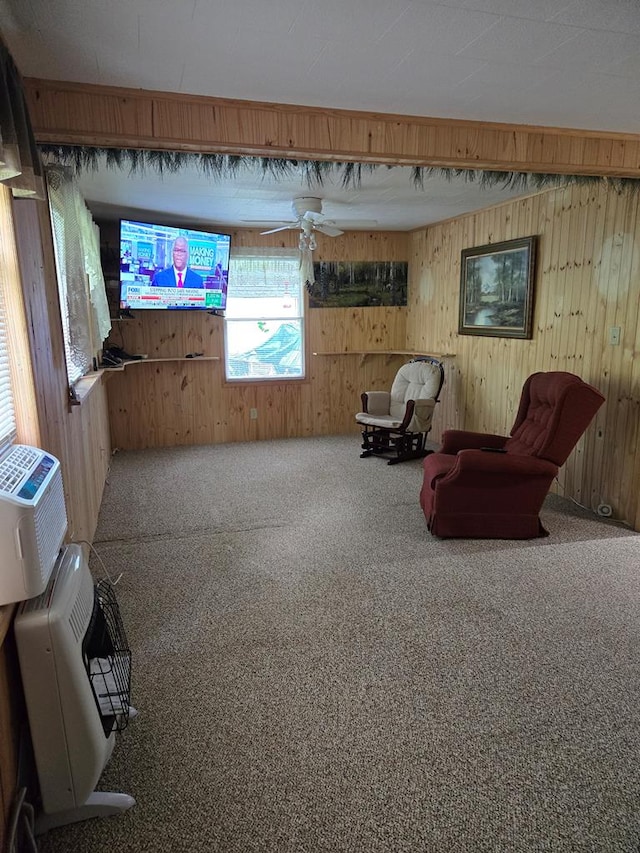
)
(264, 318)
(19, 417)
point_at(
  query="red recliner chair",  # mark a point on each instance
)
(492, 486)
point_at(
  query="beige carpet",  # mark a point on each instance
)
(314, 672)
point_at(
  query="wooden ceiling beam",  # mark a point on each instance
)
(104, 116)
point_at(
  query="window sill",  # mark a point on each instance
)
(266, 380)
(84, 386)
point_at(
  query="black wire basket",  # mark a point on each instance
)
(108, 659)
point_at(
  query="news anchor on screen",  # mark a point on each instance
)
(180, 274)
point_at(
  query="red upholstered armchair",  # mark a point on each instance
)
(492, 486)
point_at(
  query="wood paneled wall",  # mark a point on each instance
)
(587, 281)
(78, 436)
(81, 114)
(189, 401)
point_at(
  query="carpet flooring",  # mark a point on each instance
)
(316, 673)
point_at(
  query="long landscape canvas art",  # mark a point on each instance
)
(354, 284)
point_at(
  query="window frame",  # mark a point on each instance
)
(259, 254)
(22, 390)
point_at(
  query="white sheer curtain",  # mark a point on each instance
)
(251, 264)
(81, 287)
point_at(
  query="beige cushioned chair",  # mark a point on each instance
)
(396, 422)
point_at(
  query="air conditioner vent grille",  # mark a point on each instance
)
(50, 520)
(80, 615)
(15, 466)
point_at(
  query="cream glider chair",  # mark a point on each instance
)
(395, 423)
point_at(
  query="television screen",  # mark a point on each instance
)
(163, 266)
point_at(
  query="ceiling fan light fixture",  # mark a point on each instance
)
(309, 218)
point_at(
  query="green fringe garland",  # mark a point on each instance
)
(315, 172)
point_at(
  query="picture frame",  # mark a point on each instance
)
(496, 289)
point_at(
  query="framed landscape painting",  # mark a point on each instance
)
(496, 289)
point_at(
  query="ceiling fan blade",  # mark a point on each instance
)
(281, 228)
(330, 230)
(358, 223)
(346, 224)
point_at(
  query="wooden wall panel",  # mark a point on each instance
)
(357, 329)
(157, 404)
(77, 435)
(78, 113)
(587, 281)
(350, 246)
(87, 462)
(189, 402)
(37, 271)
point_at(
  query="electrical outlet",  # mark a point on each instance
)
(253, 414)
(614, 336)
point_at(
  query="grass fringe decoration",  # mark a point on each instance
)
(315, 172)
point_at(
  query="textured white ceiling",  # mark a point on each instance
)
(570, 63)
(385, 196)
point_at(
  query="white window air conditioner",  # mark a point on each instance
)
(33, 520)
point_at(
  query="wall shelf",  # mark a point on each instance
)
(365, 354)
(120, 367)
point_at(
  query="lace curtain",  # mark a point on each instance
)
(250, 265)
(81, 287)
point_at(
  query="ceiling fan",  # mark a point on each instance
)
(309, 218)
(308, 213)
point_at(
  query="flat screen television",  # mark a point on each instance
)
(165, 266)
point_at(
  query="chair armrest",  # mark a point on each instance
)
(424, 404)
(376, 402)
(475, 493)
(477, 461)
(423, 414)
(454, 440)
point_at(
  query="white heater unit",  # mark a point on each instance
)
(33, 520)
(76, 672)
